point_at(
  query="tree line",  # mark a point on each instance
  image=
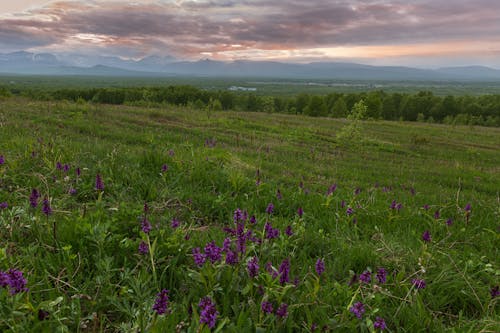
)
(424, 106)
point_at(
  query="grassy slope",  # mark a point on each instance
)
(446, 166)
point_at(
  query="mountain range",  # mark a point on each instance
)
(28, 63)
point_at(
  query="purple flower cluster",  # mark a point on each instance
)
(396, 205)
(13, 279)
(270, 208)
(164, 168)
(418, 283)
(174, 223)
(240, 215)
(282, 311)
(300, 212)
(143, 247)
(2, 160)
(253, 267)
(349, 211)
(289, 231)
(284, 271)
(161, 302)
(357, 309)
(198, 257)
(208, 312)
(380, 323)
(213, 252)
(331, 189)
(319, 266)
(366, 277)
(271, 232)
(267, 307)
(99, 184)
(4, 205)
(381, 275)
(426, 236)
(46, 209)
(34, 196)
(146, 226)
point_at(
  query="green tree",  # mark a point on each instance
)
(339, 109)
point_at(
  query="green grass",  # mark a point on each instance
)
(91, 278)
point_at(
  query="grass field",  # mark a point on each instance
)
(399, 232)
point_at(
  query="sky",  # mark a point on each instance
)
(421, 33)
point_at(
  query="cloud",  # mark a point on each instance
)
(241, 28)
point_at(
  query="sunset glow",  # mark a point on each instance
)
(419, 32)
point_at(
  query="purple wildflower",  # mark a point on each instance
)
(59, 166)
(231, 257)
(198, 257)
(282, 311)
(289, 231)
(349, 211)
(426, 236)
(366, 277)
(331, 189)
(78, 172)
(171, 152)
(143, 247)
(253, 220)
(99, 185)
(284, 271)
(300, 212)
(357, 309)
(279, 196)
(4, 205)
(381, 275)
(342, 204)
(34, 196)
(226, 244)
(164, 168)
(72, 191)
(4, 279)
(357, 191)
(16, 281)
(161, 302)
(449, 221)
(437, 214)
(495, 292)
(267, 307)
(393, 204)
(2, 160)
(270, 231)
(468, 207)
(208, 312)
(253, 267)
(146, 226)
(239, 215)
(46, 209)
(426, 207)
(320, 266)
(66, 168)
(213, 252)
(418, 283)
(380, 323)
(174, 223)
(270, 208)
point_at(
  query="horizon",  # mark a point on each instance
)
(421, 34)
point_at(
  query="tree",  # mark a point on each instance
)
(316, 107)
(339, 109)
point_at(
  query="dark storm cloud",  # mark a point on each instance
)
(190, 27)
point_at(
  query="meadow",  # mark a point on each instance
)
(169, 219)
